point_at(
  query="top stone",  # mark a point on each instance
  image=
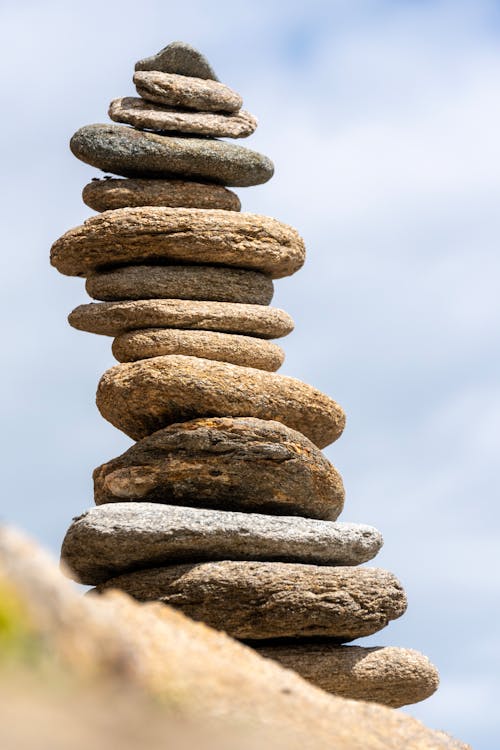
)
(179, 58)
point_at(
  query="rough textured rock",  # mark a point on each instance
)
(142, 397)
(191, 670)
(110, 193)
(120, 537)
(179, 58)
(391, 676)
(114, 318)
(188, 235)
(136, 153)
(181, 282)
(247, 351)
(233, 463)
(172, 90)
(133, 110)
(261, 600)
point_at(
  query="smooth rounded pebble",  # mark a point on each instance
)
(114, 192)
(210, 283)
(142, 397)
(233, 463)
(114, 318)
(260, 600)
(186, 235)
(125, 151)
(247, 351)
(172, 90)
(180, 58)
(133, 110)
(120, 537)
(391, 676)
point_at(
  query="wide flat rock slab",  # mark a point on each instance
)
(247, 351)
(260, 600)
(391, 676)
(188, 235)
(186, 92)
(238, 463)
(135, 153)
(114, 192)
(120, 537)
(142, 397)
(133, 110)
(210, 283)
(180, 58)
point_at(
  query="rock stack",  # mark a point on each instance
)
(225, 506)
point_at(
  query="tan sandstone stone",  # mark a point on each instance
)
(181, 91)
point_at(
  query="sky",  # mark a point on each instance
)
(383, 121)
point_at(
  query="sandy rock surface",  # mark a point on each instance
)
(174, 90)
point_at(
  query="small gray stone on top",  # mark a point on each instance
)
(179, 58)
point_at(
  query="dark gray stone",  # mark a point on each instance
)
(180, 58)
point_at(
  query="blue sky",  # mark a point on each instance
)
(382, 119)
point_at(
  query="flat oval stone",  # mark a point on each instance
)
(114, 318)
(392, 676)
(120, 537)
(181, 282)
(142, 397)
(133, 110)
(111, 193)
(247, 351)
(188, 235)
(135, 153)
(233, 463)
(261, 600)
(180, 58)
(172, 90)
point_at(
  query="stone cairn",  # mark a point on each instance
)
(225, 506)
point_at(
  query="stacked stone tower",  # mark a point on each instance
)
(225, 506)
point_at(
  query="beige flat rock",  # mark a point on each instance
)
(146, 115)
(111, 193)
(115, 318)
(237, 463)
(211, 283)
(135, 235)
(142, 397)
(187, 92)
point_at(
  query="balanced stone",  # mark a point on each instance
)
(114, 318)
(392, 676)
(173, 90)
(238, 463)
(135, 111)
(188, 235)
(213, 283)
(247, 351)
(180, 58)
(112, 192)
(260, 600)
(136, 153)
(121, 537)
(142, 397)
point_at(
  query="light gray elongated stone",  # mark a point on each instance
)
(125, 151)
(180, 58)
(172, 90)
(261, 600)
(115, 318)
(118, 537)
(391, 676)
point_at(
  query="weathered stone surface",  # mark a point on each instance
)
(391, 676)
(121, 537)
(180, 58)
(111, 193)
(114, 318)
(133, 110)
(188, 235)
(172, 90)
(238, 463)
(142, 397)
(192, 671)
(181, 282)
(260, 600)
(247, 351)
(136, 153)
